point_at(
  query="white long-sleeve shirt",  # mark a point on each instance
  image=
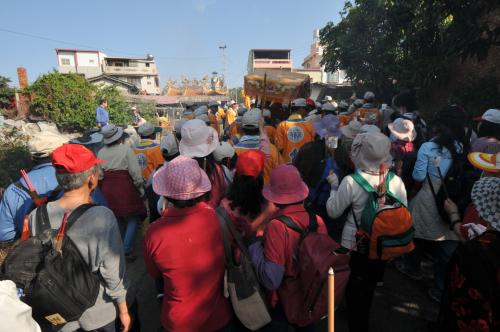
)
(350, 193)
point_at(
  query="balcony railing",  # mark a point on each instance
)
(130, 70)
(272, 63)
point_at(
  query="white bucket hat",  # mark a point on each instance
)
(251, 118)
(223, 150)
(369, 151)
(403, 129)
(170, 144)
(198, 140)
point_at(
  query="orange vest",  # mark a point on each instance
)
(149, 156)
(291, 134)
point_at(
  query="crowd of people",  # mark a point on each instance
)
(273, 172)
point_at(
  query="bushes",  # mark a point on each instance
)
(14, 155)
(70, 101)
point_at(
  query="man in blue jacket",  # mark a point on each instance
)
(101, 114)
(17, 203)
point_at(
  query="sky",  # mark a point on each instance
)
(183, 35)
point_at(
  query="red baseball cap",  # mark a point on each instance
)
(250, 163)
(73, 158)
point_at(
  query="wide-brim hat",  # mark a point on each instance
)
(352, 129)
(93, 138)
(403, 129)
(485, 161)
(328, 126)
(369, 151)
(111, 133)
(486, 199)
(44, 143)
(285, 186)
(182, 179)
(198, 140)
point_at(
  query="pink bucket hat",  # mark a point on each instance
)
(182, 179)
(198, 140)
(286, 186)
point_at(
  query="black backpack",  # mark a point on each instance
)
(457, 186)
(58, 287)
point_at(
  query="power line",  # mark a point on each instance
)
(29, 35)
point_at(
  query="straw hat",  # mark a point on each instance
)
(369, 151)
(182, 179)
(403, 129)
(198, 140)
(111, 133)
(486, 199)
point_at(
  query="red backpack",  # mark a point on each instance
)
(305, 301)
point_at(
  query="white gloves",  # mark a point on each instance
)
(333, 180)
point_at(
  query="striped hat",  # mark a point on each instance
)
(485, 161)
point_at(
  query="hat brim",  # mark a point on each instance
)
(348, 132)
(408, 136)
(286, 198)
(481, 161)
(115, 137)
(199, 150)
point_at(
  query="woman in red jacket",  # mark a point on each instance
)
(185, 247)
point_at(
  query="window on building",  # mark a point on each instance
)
(149, 82)
(65, 62)
(157, 82)
(147, 64)
(91, 60)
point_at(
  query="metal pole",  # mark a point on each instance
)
(331, 300)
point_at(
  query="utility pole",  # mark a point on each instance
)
(224, 63)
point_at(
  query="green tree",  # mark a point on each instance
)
(14, 155)
(70, 101)
(6, 92)
(412, 42)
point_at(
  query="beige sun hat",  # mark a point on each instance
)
(42, 144)
(369, 151)
(403, 129)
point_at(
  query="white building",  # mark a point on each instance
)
(102, 69)
(269, 59)
(312, 63)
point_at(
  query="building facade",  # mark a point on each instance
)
(312, 63)
(269, 59)
(140, 72)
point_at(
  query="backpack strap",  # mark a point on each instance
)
(232, 229)
(42, 219)
(288, 222)
(76, 214)
(221, 216)
(362, 182)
